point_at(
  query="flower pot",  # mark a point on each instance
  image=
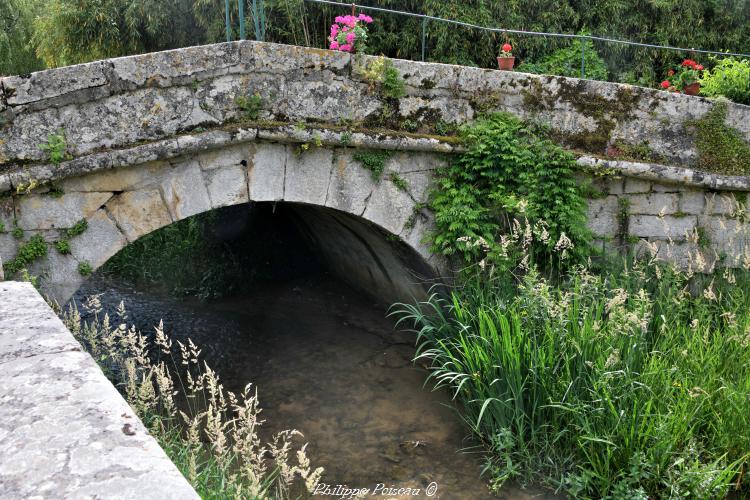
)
(692, 89)
(506, 63)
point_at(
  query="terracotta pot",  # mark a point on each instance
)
(506, 63)
(692, 89)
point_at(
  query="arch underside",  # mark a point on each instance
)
(370, 232)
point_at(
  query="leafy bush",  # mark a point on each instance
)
(509, 170)
(729, 78)
(567, 62)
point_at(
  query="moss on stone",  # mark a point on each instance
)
(721, 148)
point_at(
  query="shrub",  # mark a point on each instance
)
(567, 62)
(509, 170)
(729, 78)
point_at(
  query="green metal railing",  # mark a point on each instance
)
(259, 25)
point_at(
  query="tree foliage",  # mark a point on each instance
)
(70, 31)
(16, 53)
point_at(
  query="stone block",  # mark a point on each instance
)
(602, 216)
(159, 68)
(665, 188)
(48, 384)
(265, 172)
(651, 226)
(184, 190)
(351, 184)
(730, 238)
(118, 179)
(138, 213)
(722, 204)
(308, 175)
(692, 202)
(653, 204)
(37, 211)
(636, 185)
(99, 242)
(227, 185)
(389, 207)
(53, 83)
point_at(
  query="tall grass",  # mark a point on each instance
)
(630, 383)
(212, 435)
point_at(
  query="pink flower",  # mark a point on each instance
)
(350, 38)
(334, 30)
(339, 19)
(365, 18)
(345, 48)
(335, 45)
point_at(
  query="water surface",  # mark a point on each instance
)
(327, 362)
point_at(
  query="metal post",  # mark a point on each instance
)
(424, 36)
(583, 60)
(241, 6)
(259, 20)
(226, 21)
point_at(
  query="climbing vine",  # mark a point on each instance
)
(508, 172)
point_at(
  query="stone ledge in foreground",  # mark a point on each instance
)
(65, 431)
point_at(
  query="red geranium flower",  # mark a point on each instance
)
(507, 47)
(689, 63)
(665, 84)
(699, 67)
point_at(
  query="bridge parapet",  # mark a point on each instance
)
(119, 102)
(65, 431)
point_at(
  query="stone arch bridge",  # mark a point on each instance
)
(136, 143)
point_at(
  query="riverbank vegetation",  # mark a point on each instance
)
(212, 435)
(625, 378)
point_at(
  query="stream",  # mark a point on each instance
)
(327, 362)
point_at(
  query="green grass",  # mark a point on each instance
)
(621, 385)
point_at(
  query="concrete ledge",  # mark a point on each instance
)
(65, 431)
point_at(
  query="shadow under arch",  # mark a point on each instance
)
(357, 251)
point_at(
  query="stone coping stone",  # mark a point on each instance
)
(667, 174)
(65, 431)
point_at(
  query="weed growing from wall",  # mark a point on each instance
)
(56, 147)
(509, 171)
(250, 105)
(29, 252)
(84, 268)
(374, 161)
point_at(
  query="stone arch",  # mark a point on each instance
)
(341, 198)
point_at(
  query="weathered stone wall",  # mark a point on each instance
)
(696, 228)
(115, 103)
(65, 431)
